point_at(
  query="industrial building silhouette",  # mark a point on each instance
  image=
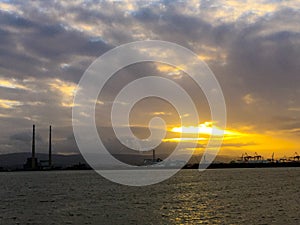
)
(33, 163)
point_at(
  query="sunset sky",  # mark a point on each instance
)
(252, 47)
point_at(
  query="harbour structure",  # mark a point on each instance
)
(159, 163)
(253, 159)
(296, 157)
(258, 159)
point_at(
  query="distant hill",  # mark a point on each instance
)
(17, 160)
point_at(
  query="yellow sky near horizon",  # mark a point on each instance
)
(237, 142)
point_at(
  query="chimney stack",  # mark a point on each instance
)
(33, 148)
(50, 147)
(153, 156)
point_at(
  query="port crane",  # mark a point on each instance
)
(296, 157)
(257, 157)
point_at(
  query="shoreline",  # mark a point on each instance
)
(194, 166)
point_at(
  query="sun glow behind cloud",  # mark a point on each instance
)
(234, 141)
(11, 83)
(204, 132)
(8, 104)
(8, 8)
(66, 89)
(206, 128)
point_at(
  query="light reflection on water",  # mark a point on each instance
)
(233, 196)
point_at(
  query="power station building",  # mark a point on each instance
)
(33, 163)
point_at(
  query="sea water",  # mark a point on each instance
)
(221, 196)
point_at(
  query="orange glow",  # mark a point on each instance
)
(184, 139)
(66, 89)
(235, 142)
(207, 128)
(11, 83)
(8, 104)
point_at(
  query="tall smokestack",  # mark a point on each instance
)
(33, 148)
(153, 155)
(50, 148)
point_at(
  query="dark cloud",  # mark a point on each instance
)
(43, 41)
(24, 137)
